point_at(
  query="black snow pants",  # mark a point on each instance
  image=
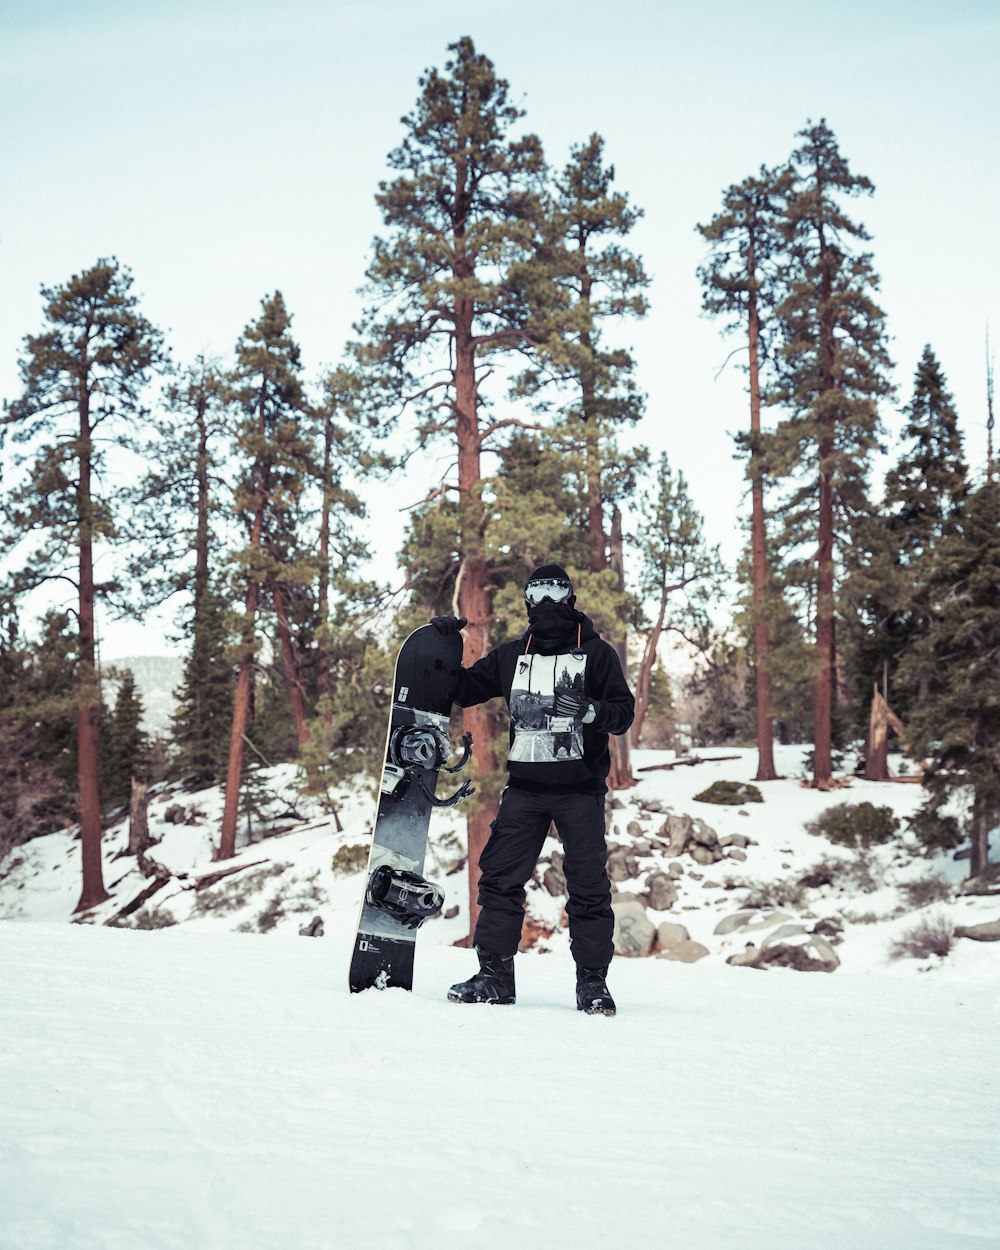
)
(509, 858)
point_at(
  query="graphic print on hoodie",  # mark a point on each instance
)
(540, 734)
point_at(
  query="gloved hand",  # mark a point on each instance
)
(572, 703)
(449, 625)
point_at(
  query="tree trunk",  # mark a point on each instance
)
(138, 826)
(201, 526)
(597, 543)
(473, 592)
(758, 544)
(292, 676)
(88, 697)
(323, 594)
(823, 699)
(881, 719)
(979, 856)
(644, 679)
(620, 776)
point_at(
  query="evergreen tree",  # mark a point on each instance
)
(739, 283)
(459, 281)
(124, 744)
(272, 440)
(924, 495)
(832, 368)
(82, 382)
(678, 571)
(204, 698)
(37, 729)
(956, 725)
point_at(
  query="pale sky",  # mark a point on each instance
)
(223, 150)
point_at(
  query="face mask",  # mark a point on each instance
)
(550, 622)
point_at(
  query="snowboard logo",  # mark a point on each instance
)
(403, 692)
(540, 735)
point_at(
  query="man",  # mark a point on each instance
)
(566, 692)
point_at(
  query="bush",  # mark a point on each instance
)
(350, 859)
(773, 894)
(934, 935)
(855, 824)
(736, 792)
(926, 890)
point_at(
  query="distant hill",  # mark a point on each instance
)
(156, 676)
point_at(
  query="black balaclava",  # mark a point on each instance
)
(552, 623)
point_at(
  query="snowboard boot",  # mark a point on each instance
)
(493, 983)
(592, 993)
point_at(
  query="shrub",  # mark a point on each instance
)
(934, 935)
(736, 792)
(773, 894)
(855, 824)
(349, 859)
(823, 872)
(926, 890)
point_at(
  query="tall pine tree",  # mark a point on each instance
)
(832, 369)
(83, 378)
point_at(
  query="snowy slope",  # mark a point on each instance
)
(192, 1089)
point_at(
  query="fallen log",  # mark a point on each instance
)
(695, 759)
(135, 903)
(211, 878)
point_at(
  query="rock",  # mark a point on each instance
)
(734, 852)
(988, 931)
(676, 831)
(641, 847)
(831, 928)
(661, 891)
(814, 955)
(554, 880)
(675, 868)
(704, 854)
(651, 805)
(451, 913)
(634, 933)
(964, 853)
(557, 859)
(174, 815)
(711, 885)
(670, 934)
(704, 834)
(696, 876)
(782, 933)
(633, 829)
(745, 959)
(618, 868)
(986, 884)
(685, 952)
(743, 812)
(617, 805)
(313, 929)
(734, 839)
(750, 920)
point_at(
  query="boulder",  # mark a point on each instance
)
(988, 931)
(622, 866)
(813, 954)
(174, 815)
(661, 891)
(313, 929)
(831, 928)
(734, 839)
(782, 933)
(675, 868)
(734, 852)
(670, 934)
(750, 920)
(634, 933)
(651, 805)
(704, 854)
(676, 831)
(684, 952)
(986, 884)
(641, 847)
(633, 829)
(554, 880)
(704, 834)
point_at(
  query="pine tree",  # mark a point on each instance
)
(956, 725)
(124, 744)
(924, 495)
(832, 369)
(204, 698)
(272, 438)
(82, 377)
(678, 571)
(458, 283)
(739, 283)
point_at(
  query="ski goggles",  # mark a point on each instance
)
(549, 588)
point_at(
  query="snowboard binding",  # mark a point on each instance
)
(414, 749)
(409, 898)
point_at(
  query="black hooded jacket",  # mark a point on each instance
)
(550, 751)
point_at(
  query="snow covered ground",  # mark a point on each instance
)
(190, 1088)
(198, 1076)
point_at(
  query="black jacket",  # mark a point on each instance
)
(549, 751)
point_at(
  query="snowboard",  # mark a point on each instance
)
(397, 899)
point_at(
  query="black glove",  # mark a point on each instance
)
(572, 703)
(449, 625)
